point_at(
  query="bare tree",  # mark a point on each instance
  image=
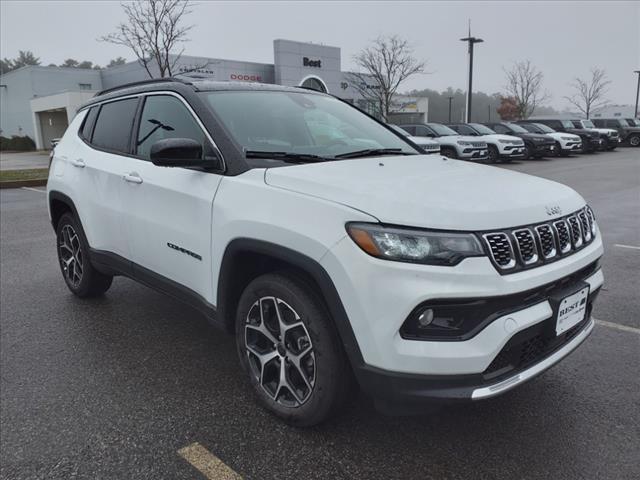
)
(384, 65)
(524, 84)
(153, 31)
(590, 94)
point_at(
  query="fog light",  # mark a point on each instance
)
(425, 318)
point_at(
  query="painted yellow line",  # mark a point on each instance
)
(207, 463)
(617, 326)
(619, 245)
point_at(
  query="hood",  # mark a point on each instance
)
(500, 136)
(606, 131)
(430, 191)
(558, 135)
(536, 137)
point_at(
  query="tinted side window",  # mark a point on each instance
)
(422, 131)
(555, 125)
(113, 127)
(89, 122)
(501, 128)
(164, 117)
(408, 129)
(464, 130)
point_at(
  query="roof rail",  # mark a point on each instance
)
(141, 82)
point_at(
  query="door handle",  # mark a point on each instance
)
(132, 177)
(78, 162)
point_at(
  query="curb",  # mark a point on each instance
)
(23, 183)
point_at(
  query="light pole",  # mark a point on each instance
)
(471, 41)
(637, 92)
(450, 99)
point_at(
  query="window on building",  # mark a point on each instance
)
(113, 126)
(164, 117)
(84, 86)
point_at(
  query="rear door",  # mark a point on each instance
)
(170, 208)
(100, 162)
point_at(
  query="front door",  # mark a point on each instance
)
(170, 208)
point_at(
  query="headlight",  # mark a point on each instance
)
(414, 246)
(463, 143)
(567, 138)
(509, 142)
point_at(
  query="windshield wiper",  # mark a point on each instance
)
(286, 156)
(373, 152)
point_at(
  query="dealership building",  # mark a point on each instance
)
(40, 101)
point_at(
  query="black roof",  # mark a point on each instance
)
(180, 84)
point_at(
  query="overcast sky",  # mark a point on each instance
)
(563, 39)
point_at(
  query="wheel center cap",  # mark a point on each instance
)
(281, 350)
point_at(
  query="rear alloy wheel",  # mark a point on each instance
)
(289, 347)
(79, 275)
(634, 140)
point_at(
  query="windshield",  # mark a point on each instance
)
(402, 132)
(588, 124)
(517, 128)
(623, 123)
(300, 123)
(543, 128)
(441, 130)
(567, 124)
(481, 129)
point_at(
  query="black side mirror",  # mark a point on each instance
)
(177, 152)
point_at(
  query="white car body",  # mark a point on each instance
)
(567, 141)
(508, 146)
(131, 208)
(428, 145)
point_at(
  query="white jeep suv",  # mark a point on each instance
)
(501, 147)
(336, 260)
(452, 144)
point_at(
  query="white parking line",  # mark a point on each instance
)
(207, 463)
(617, 326)
(33, 189)
(626, 246)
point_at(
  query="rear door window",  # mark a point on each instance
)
(113, 126)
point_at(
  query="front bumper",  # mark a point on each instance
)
(526, 355)
(473, 153)
(544, 149)
(511, 151)
(571, 146)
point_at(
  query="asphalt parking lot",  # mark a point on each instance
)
(115, 387)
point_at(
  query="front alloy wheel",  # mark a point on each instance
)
(280, 352)
(290, 348)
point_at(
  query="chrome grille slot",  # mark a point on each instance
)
(576, 234)
(547, 241)
(564, 240)
(592, 221)
(501, 249)
(526, 246)
(584, 224)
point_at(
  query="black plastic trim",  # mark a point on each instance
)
(304, 263)
(114, 264)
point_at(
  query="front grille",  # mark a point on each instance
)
(478, 144)
(525, 247)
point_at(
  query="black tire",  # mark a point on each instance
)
(527, 152)
(494, 156)
(73, 256)
(559, 152)
(329, 379)
(448, 152)
(634, 140)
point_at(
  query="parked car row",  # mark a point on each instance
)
(524, 139)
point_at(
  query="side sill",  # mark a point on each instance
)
(113, 264)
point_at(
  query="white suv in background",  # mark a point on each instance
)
(428, 145)
(501, 147)
(332, 259)
(452, 144)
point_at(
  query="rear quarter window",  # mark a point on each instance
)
(87, 125)
(113, 126)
